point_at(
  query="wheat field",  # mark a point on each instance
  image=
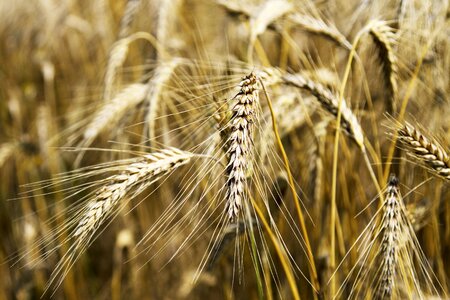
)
(224, 149)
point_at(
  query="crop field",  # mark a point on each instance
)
(224, 149)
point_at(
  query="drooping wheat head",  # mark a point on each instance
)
(425, 150)
(329, 101)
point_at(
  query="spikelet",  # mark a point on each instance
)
(116, 59)
(268, 13)
(425, 150)
(163, 74)
(244, 114)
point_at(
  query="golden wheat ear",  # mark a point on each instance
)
(135, 175)
(244, 114)
(425, 150)
(330, 103)
(391, 233)
(390, 264)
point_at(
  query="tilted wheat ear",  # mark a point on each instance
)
(425, 150)
(244, 114)
(330, 102)
(144, 170)
(136, 175)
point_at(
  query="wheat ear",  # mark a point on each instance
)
(244, 114)
(384, 38)
(425, 150)
(143, 171)
(329, 102)
(391, 231)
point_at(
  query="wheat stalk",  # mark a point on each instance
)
(425, 150)
(329, 102)
(244, 113)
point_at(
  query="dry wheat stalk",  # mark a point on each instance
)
(143, 171)
(425, 150)
(244, 114)
(329, 102)
(384, 38)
